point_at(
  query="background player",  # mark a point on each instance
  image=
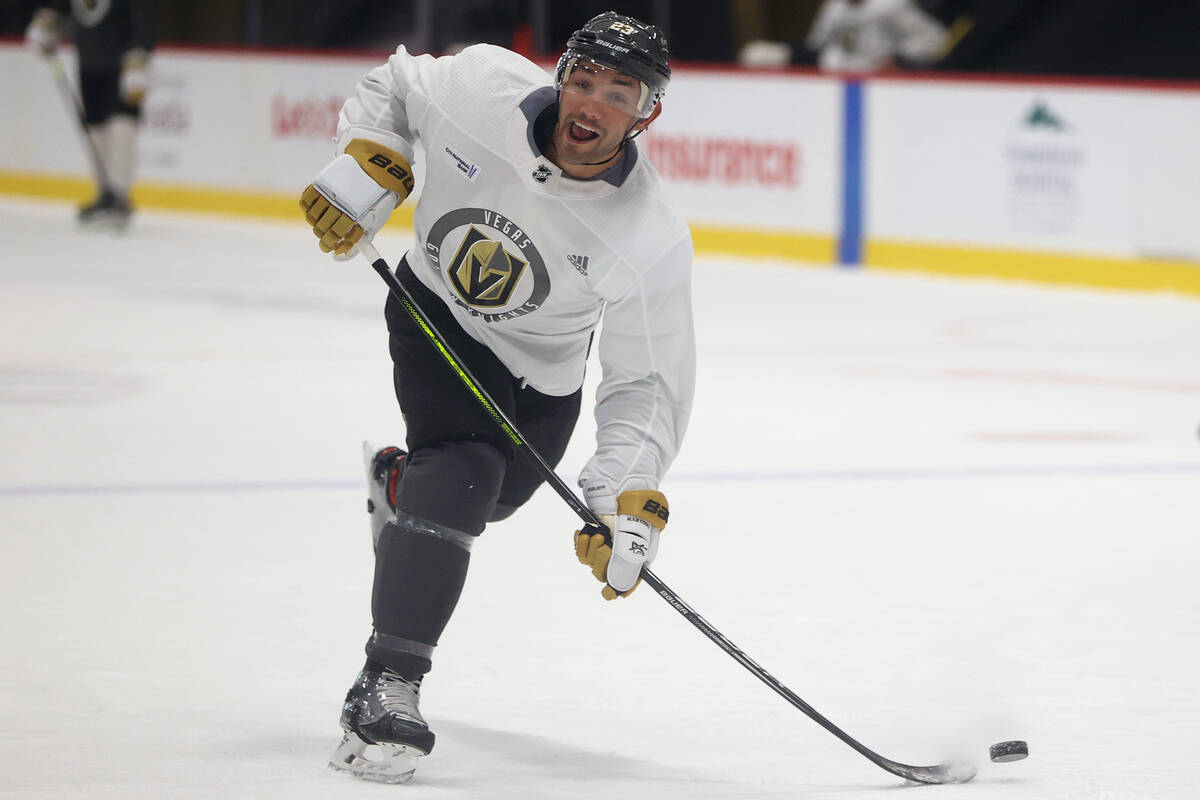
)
(114, 39)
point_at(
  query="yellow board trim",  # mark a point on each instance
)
(275, 205)
(821, 249)
(1042, 267)
(40, 185)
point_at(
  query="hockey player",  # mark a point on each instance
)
(538, 215)
(114, 39)
(858, 35)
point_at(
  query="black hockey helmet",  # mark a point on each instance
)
(624, 44)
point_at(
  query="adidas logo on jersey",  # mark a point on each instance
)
(578, 262)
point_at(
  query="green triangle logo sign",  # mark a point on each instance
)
(1040, 116)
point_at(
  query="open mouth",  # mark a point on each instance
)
(581, 133)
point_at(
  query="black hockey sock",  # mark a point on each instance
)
(420, 569)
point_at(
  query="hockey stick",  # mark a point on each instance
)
(941, 773)
(76, 106)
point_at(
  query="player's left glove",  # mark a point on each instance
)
(135, 76)
(635, 528)
(355, 194)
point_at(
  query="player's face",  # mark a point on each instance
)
(597, 107)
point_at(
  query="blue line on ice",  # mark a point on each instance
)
(682, 477)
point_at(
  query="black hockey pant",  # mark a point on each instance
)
(461, 473)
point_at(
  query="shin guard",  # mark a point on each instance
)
(420, 569)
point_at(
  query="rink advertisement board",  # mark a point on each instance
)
(730, 159)
(1056, 168)
(254, 123)
(265, 123)
(222, 126)
(1066, 180)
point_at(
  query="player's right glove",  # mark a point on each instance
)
(43, 34)
(635, 528)
(355, 194)
(135, 76)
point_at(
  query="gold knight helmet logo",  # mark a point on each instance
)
(483, 272)
(496, 273)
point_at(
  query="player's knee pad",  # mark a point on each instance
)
(454, 484)
(519, 485)
(501, 511)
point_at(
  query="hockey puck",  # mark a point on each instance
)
(1008, 751)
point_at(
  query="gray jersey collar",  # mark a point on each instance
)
(544, 100)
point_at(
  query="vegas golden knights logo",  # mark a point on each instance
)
(89, 13)
(483, 272)
(496, 273)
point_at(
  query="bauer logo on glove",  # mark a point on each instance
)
(400, 173)
(355, 194)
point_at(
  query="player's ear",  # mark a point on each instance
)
(641, 126)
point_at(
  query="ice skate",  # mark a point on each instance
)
(384, 731)
(106, 211)
(98, 209)
(120, 216)
(383, 466)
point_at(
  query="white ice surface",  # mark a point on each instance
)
(945, 513)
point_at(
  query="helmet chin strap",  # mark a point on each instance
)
(616, 152)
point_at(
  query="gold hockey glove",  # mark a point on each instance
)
(355, 194)
(635, 528)
(43, 32)
(135, 76)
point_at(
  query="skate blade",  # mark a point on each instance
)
(105, 224)
(382, 763)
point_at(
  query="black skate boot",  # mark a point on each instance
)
(109, 210)
(99, 209)
(120, 215)
(383, 477)
(381, 711)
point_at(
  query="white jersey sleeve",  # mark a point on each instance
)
(648, 356)
(391, 100)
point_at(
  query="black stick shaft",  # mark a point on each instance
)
(76, 105)
(936, 774)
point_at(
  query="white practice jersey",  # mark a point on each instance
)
(528, 258)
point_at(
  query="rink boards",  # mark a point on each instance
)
(1066, 181)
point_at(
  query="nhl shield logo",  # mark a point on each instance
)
(542, 173)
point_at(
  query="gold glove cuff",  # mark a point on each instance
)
(645, 504)
(385, 166)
